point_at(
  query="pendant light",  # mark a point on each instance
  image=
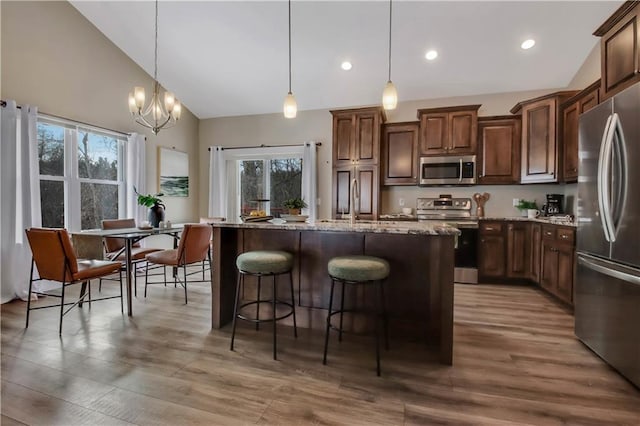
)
(158, 115)
(389, 94)
(290, 107)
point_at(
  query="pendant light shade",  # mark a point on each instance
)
(389, 94)
(290, 106)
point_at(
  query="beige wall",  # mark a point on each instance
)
(52, 57)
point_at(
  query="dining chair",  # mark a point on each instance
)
(55, 259)
(194, 247)
(114, 248)
(210, 220)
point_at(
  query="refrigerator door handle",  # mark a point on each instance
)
(605, 269)
(601, 179)
(621, 183)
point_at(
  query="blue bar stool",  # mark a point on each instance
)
(358, 270)
(264, 263)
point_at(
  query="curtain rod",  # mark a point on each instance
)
(264, 146)
(4, 104)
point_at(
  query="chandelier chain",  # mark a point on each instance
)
(155, 57)
(289, 46)
(390, 12)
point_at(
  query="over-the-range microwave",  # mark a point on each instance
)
(448, 170)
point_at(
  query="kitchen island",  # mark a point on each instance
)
(418, 292)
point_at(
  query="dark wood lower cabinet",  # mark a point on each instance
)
(522, 251)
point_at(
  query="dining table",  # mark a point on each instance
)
(130, 237)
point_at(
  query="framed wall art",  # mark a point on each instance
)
(173, 168)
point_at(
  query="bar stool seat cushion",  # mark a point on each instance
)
(265, 262)
(358, 268)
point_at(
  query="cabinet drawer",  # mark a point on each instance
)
(491, 227)
(566, 235)
(548, 232)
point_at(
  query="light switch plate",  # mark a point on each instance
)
(401, 202)
(516, 201)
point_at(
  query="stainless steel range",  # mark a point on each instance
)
(457, 212)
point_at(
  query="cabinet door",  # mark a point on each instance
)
(536, 241)
(400, 154)
(620, 54)
(367, 140)
(499, 159)
(342, 177)
(564, 289)
(491, 259)
(368, 182)
(518, 246)
(549, 271)
(539, 148)
(570, 115)
(343, 139)
(463, 132)
(434, 133)
(590, 100)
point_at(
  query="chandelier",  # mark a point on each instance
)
(157, 115)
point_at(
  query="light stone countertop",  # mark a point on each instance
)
(545, 220)
(367, 226)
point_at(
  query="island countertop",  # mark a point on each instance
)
(366, 226)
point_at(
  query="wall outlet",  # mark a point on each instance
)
(401, 202)
(516, 201)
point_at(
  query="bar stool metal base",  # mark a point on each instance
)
(378, 313)
(274, 301)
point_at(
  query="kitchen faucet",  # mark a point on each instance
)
(354, 192)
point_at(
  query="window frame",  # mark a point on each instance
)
(72, 182)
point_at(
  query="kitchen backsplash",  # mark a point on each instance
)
(499, 205)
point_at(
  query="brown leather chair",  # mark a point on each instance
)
(56, 260)
(114, 247)
(193, 248)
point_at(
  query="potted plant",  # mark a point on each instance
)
(294, 205)
(525, 205)
(155, 205)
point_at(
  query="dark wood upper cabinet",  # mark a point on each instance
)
(570, 113)
(540, 145)
(400, 154)
(356, 136)
(356, 154)
(620, 49)
(499, 150)
(448, 130)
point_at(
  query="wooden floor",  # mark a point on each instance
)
(516, 361)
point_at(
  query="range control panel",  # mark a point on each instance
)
(443, 203)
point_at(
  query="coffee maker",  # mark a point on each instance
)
(554, 206)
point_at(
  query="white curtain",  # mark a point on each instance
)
(309, 180)
(136, 176)
(218, 189)
(20, 195)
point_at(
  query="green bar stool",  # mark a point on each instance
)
(264, 263)
(358, 270)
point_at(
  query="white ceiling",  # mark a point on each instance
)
(230, 58)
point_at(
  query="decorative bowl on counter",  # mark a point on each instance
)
(249, 219)
(294, 217)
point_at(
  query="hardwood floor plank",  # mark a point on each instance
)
(35, 408)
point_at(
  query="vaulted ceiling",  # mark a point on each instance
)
(230, 58)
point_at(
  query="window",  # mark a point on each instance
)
(81, 175)
(275, 179)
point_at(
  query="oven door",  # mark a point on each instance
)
(466, 257)
(448, 170)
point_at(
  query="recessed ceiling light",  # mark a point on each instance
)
(528, 44)
(346, 65)
(431, 55)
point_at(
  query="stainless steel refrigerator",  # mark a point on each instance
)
(607, 287)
